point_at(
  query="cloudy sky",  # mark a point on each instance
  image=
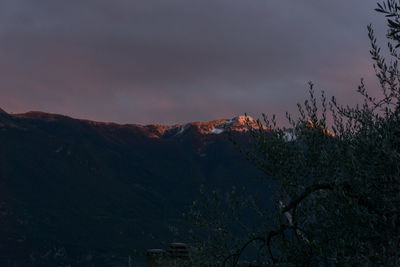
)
(170, 61)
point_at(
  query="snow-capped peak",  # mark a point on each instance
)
(244, 119)
(238, 124)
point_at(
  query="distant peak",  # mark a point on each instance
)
(2, 111)
(243, 119)
(240, 123)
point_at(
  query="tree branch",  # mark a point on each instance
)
(306, 193)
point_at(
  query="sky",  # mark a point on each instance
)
(175, 61)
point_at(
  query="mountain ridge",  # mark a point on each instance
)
(237, 124)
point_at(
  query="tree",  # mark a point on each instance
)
(338, 196)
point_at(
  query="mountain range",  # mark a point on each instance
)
(79, 192)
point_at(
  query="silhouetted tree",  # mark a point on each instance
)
(338, 196)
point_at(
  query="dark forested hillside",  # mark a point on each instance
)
(83, 192)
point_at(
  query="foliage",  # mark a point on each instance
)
(338, 194)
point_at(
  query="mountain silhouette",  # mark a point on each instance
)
(88, 193)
